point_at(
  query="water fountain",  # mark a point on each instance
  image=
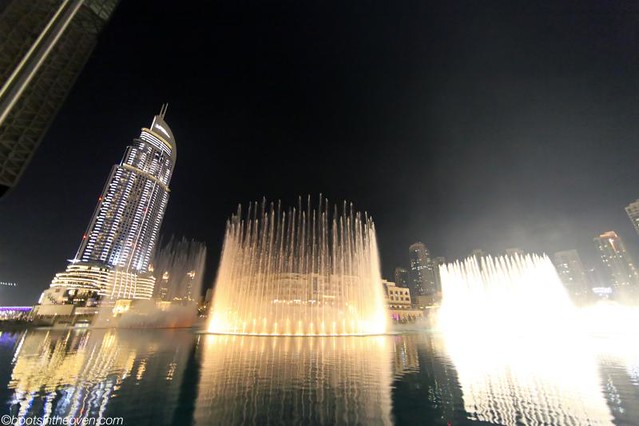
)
(513, 335)
(305, 271)
(516, 294)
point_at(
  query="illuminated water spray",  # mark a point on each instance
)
(304, 271)
(507, 293)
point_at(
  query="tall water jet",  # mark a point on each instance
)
(305, 271)
(514, 294)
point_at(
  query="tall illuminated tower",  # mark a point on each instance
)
(44, 45)
(116, 249)
(617, 260)
(422, 272)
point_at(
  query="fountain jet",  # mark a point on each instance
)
(304, 271)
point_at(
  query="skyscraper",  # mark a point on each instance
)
(422, 273)
(44, 45)
(632, 210)
(115, 252)
(572, 273)
(402, 277)
(614, 256)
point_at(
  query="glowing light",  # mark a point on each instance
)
(510, 295)
(286, 273)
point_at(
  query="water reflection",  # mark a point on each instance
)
(527, 381)
(180, 378)
(289, 380)
(80, 373)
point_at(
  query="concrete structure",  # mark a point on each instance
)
(44, 45)
(399, 303)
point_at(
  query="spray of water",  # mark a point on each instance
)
(504, 295)
(303, 271)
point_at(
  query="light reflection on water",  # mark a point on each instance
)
(291, 380)
(179, 377)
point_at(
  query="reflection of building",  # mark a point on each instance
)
(301, 381)
(43, 47)
(76, 373)
(115, 252)
(423, 374)
(423, 282)
(621, 268)
(572, 273)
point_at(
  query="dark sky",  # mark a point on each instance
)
(462, 124)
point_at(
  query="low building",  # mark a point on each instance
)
(399, 303)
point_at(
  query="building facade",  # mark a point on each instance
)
(402, 277)
(399, 303)
(422, 271)
(573, 274)
(622, 272)
(114, 256)
(632, 210)
(44, 45)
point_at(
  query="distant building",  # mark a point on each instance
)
(478, 253)
(621, 269)
(43, 48)
(573, 274)
(115, 252)
(515, 251)
(399, 302)
(632, 210)
(402, 277)
(422, 273)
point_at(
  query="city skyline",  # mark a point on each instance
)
(516, 134)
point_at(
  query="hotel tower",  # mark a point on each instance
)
(116, 249)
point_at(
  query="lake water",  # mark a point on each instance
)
(177, 377)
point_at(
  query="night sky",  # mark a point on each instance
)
(463, 124)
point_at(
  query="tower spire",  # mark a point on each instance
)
(163, 109)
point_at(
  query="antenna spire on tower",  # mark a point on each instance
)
(163, 110)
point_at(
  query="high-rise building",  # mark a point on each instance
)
(422, 274)
(621, 268)
(44, 45)
(572, 273)
(402, 277)
(114, 255)
(632, 210)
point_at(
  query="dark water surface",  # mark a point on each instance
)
(177, 377)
